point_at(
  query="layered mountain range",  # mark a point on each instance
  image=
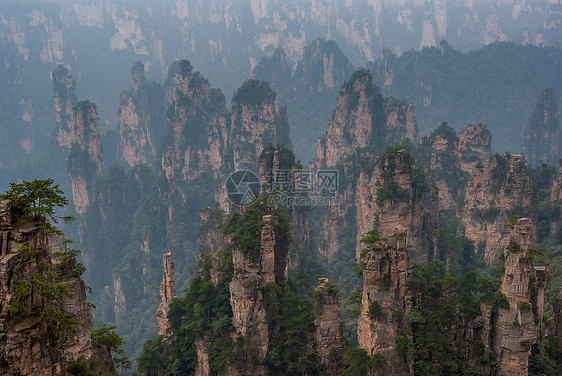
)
(456, 249)
(226, 41)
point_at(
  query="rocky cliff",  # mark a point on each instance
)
(475, 146)
(444, 165)
(167, 292)
(515, 329)
(198, 129)
(358, 121)
(85, 161)
(136, 143)
(64, 89)
(497, 189)
(386, 302)
(253, 318)
(323, 67)
(44, 317)
(328, 336)
(255, 123)
(542, 137)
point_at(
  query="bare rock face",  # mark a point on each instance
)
(358, 120)
(475, 146)
(64, 89)
(386, 303)
(167, 293)
(499, 185)
(252, 318)
(445, 166)
(542, 137)
(274, 165)
(515, 330)
(255, 123)
(323, 67)
(85, 161)
(401, 201)
(556, 196)
(197, 116)
(328, 336)
(135, 140)
(27, 345)
(400, 121)
(211, 237)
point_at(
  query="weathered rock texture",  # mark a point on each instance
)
(198, 126)
(251, 317)
(401, 200)
(136, 144)
(323, 67)
(542, 137)
(556, 197)
(85, 161)
(515, 330)
(27, 344)
(255, 123)
(167, 292)
(475, 146)
(497, 188)
(278, 171)
(386, 302)
(358, 120)
(328, 336)
(400, 121)
(64, 89)
(444, 165)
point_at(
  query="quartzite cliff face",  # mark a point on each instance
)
(542, 138)
(197, 120)
(28, 345)
(500, 186)
(64, 88)
(85, 161)
(386, 302)
(167, 292)
(252, 318)
(137, 143)
(255, 123)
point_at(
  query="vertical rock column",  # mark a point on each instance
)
(85, 161)
(252, 318)
(64, 90)
(515, 330)
(386, 303)
(167, 293)
(328, 337)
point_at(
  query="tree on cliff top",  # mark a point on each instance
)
(38, 199)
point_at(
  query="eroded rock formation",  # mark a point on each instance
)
(255, 123)
(515, 330)
(475, 146)
(64, 89)
(198, 123)
(358, 120)
(252, 318)
(497, 188)
(136, 144)
(85, 161)
(542, 137)
(167, 292)
(328, 336)
(32, 341)
(386, 303)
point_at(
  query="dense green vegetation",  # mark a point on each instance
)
(497, 85)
